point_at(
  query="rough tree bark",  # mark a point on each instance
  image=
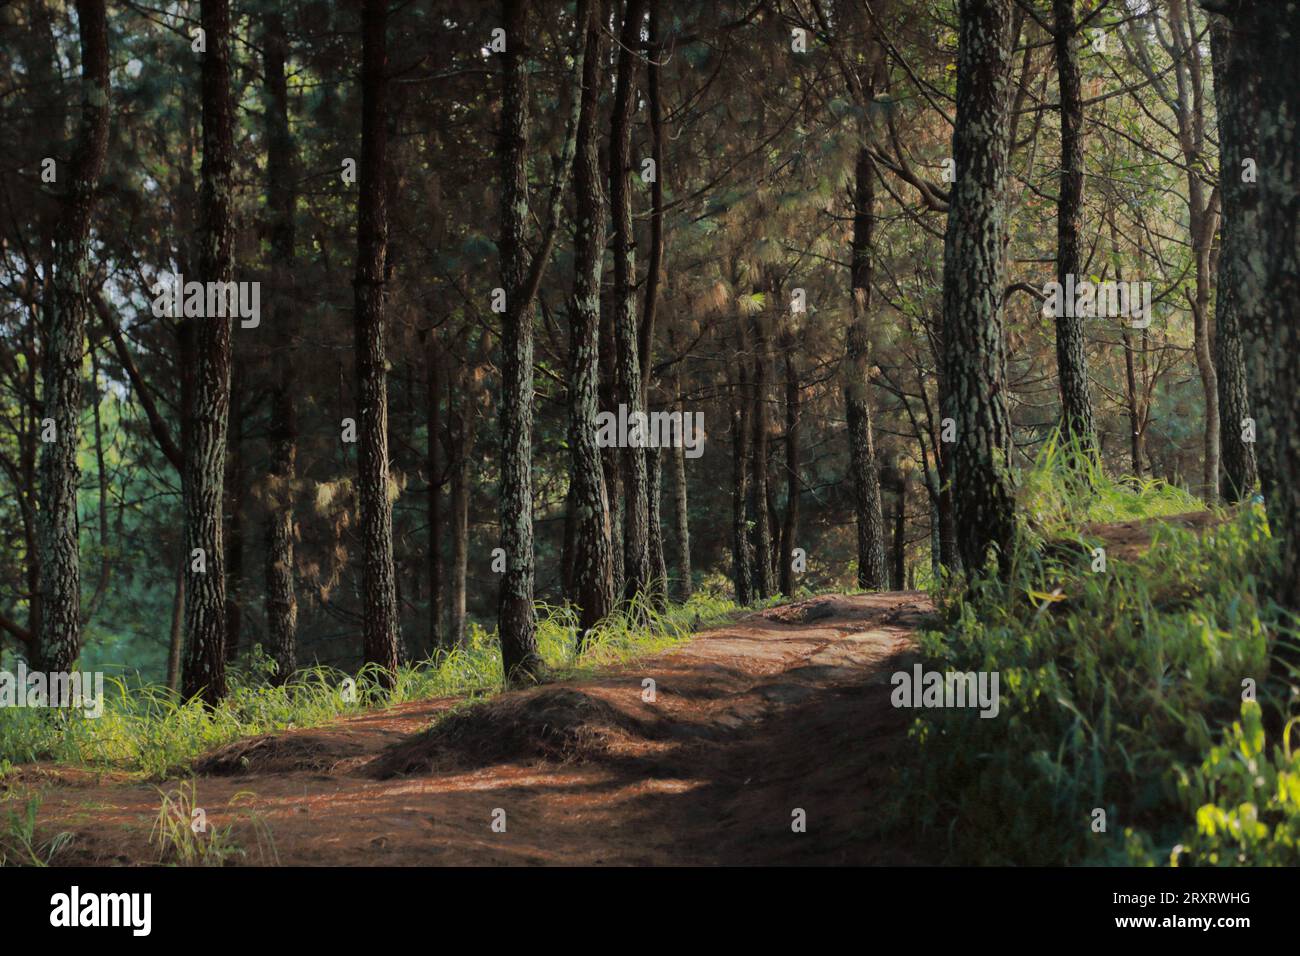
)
(59, 635)
(205, 451)
(521, 280)
(742, 565)
(591, 571)
(380, 627)
(637, 571)
(281, 201)
(437, 638)
(872, 570)
(462, 430)
(975, 393)
(790, 527)
(682, 538)
(1234, 98)
(900, 532)
(1077, 423)
(610, 457)
(764, 586)
(233, 492)
(1267, 39)
(1189, 112)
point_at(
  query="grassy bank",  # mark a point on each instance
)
(146, 729)
(1124, 735)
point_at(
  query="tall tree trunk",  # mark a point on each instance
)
(741, 552)
(281, 201)
(900, 533)
(1133, 402)
(234, 507)
(515, 603)
(205, 453)
(378, 577)
(1202, 217)
(101, 479)
(654, 488)
(1077, 424)
(654, 268)
(975, 393)
(1236, 142)
(176, 641)
(764, 587)
(872, 570)
(790, 527)
(433, 464)
(611, 457)
(1269, 270)
(1237, 90)
(462, 434)
(682, 538)
(591, 566)
(654, 271)
(59, 638)
(636, 524)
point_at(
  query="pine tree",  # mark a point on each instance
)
(59, 636)
(209, 414)
(974, 347)
(378, 580)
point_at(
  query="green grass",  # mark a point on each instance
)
(1121, 692)
(19, 843)
(146, 730)
(1054, 496)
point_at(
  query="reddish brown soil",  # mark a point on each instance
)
(783, 710)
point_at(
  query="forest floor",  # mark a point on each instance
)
(785, 708)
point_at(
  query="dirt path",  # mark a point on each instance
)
(785, 709)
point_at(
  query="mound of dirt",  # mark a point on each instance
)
(280, 753)
(556, 724)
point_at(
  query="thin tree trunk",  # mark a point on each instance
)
(975, 394)
(1240, 470)
(741, 553)
(900, 533)
(1202, 215)
(281, 201)
(764, 586)
(636, 525)
(234, 507)
(591, 567)
(378, 578)
(681, 513)
(205, 453)
(872, 569)
(462, 442)
(175, 645)
(658, 565)
(654, 268)
(790, 527)
(59, 638)
(1077, 424)
(101, 479)
(433, 464)
(611, 457)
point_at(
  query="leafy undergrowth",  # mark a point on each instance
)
(147, 730)
(1126, 732)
